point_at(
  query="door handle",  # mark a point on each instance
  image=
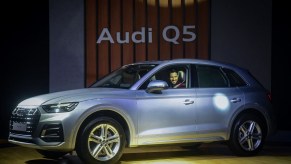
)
(235, 100)
(187, 102)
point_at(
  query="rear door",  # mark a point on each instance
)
(216, 101)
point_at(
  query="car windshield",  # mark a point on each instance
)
(124, 77)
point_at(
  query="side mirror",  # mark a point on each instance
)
(156, 86)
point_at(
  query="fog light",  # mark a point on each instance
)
(52, 133)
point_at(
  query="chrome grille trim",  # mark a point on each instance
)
(28, 116)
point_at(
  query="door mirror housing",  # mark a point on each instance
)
(156, 86)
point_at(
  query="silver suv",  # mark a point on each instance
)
(185, 101)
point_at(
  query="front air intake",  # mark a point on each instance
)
(52, 133)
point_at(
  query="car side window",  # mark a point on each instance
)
(234, 79)
(176, 76)
(210, 77)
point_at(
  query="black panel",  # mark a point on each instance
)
(281, 66)
(24, 54)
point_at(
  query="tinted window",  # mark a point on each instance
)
(234, 79)
(255, 79)
(124, 77)
(210, 77)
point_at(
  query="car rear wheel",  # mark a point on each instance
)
(101, 141)
(247, 135)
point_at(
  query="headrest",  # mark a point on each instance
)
(181, 75)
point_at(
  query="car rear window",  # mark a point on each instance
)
(210, 77)
(234, 79)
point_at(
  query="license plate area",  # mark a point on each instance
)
(19, 126)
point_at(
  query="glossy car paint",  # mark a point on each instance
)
(173, 116)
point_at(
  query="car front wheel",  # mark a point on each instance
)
(247, 135)
(101, 141)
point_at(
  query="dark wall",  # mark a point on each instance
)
(281, 63)
(241, 34)
(66, 44)
(24, 54)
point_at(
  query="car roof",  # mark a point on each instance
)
(191, 61)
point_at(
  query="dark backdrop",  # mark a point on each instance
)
(25, 57)
(281, 63)
(24, 54)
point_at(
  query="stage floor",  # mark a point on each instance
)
(214, 153)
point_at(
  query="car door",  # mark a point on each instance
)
(215, 101)
(166, 117)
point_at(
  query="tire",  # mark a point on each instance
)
(247, 136)
(51, 154)
(96, 143)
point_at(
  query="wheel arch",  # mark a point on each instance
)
(251, 111)
(107, 113)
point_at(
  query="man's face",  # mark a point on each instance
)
(173, 77)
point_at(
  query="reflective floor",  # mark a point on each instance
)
(216, 153)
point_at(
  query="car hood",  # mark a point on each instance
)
(77, 95)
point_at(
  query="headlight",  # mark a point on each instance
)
(60, 108)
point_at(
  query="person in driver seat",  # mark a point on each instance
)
(177, 79)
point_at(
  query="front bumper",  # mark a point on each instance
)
(32, 127)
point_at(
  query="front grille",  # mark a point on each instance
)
(24, 121)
